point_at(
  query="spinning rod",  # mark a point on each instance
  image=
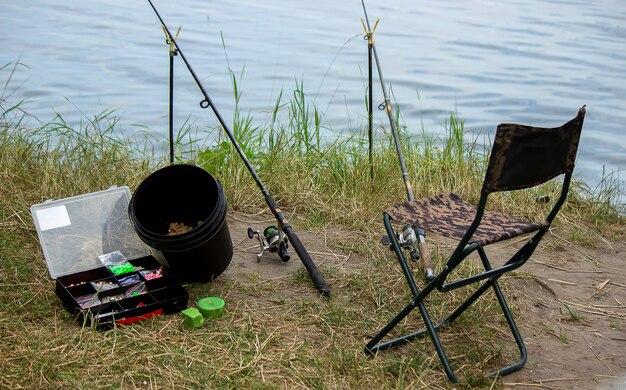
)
(316, 276)
(412, 236)
(173, 52)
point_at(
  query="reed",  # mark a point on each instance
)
(328, 177)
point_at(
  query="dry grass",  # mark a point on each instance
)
(273, 335)
(276, 334)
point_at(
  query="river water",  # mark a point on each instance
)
(534, 62)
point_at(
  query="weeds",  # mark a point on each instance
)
(275, 334)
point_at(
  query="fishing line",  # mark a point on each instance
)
(413, 235)
(308, 263)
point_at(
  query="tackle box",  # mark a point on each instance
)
(77, 234)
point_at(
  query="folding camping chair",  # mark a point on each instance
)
(522, 157)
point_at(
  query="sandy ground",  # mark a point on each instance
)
(573, 302)
(575, 326)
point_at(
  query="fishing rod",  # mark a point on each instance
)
(370, 105)
(315, 274)
(173, 52)
(412, 236)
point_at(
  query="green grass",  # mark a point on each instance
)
(277, 334)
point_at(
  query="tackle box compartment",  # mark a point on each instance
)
(75, 233)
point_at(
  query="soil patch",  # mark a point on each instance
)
(574, 317)
(269, 266)
(569, 302)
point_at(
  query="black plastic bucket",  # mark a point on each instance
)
(189, 195)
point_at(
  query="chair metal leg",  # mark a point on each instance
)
(401, 258)
(468, 302)
(418, 296)
(431, 330)
(374, 345)
(509, 319)
(518, 337)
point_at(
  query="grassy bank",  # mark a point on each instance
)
(277, 333)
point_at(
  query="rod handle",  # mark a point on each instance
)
(315, 274)
(426, 263)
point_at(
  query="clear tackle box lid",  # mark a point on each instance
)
(74, 231)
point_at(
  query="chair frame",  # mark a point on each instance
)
(489, 278)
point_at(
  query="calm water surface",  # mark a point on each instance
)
(532, 62)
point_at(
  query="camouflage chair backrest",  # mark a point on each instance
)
(526, 156)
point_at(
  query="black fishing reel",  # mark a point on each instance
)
(272, 240)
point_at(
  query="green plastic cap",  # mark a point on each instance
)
(211, 307)
(192, 317)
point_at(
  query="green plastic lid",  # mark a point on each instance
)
(192, 317)
(211, 307)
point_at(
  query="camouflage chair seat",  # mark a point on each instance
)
(522, 157)
(448, 215)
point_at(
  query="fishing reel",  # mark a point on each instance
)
(407, 239)
(272, 240)
(412, 239)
